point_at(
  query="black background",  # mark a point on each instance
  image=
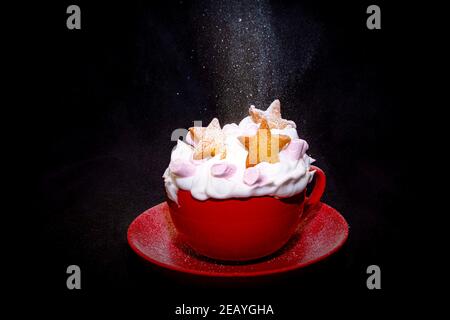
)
(101, 134)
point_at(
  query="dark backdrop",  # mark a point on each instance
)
(114, 91)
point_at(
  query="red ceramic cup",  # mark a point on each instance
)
(241, 229)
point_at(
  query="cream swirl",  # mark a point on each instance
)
(229, 178)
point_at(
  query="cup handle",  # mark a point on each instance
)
(318, 189)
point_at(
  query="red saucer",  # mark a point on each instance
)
(153, 237)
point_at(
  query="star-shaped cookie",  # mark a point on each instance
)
(263, 146)
(209, 141)
(272, 115)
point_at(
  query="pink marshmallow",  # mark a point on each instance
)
(251, 176)
(223, 170)
(296, 149)
(197, 162)
(182, 168)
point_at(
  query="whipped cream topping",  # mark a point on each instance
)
(229, 178)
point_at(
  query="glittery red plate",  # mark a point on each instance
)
(153, 237)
